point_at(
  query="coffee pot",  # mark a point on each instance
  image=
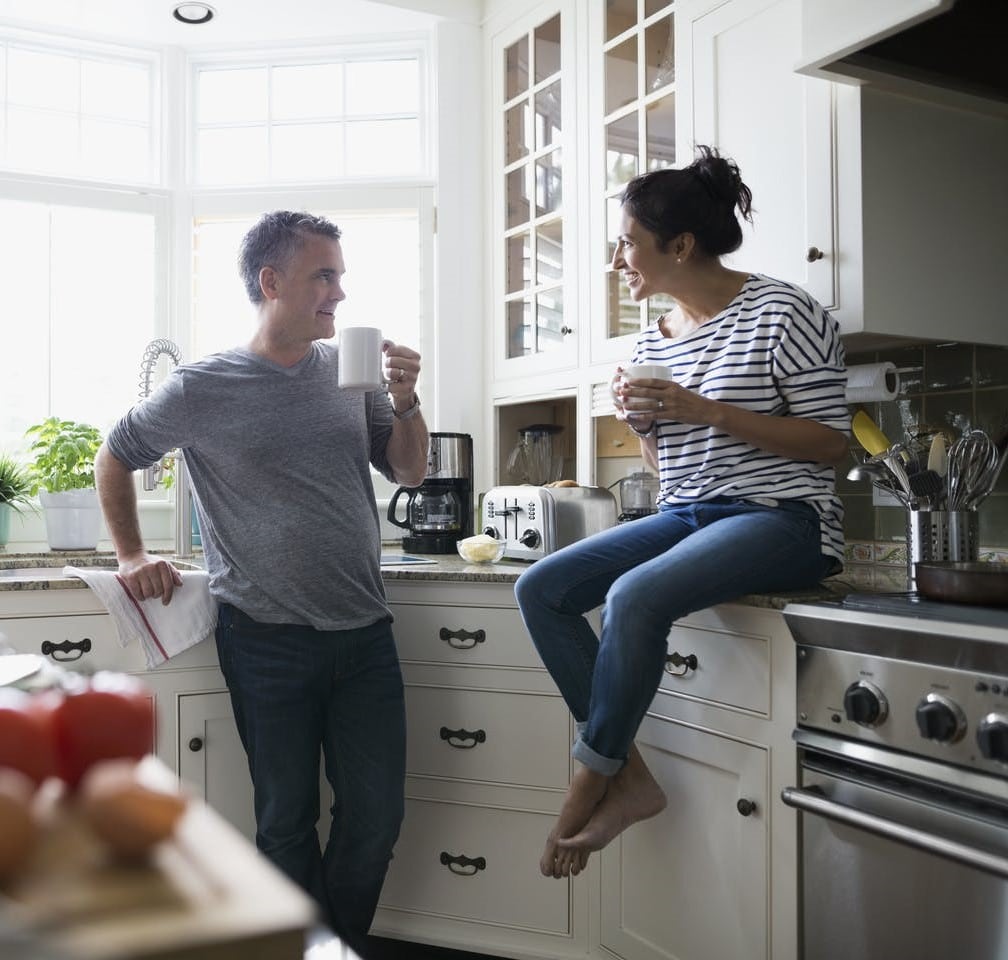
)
(439, 512)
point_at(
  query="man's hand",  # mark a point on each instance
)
(148, 576)
(400, 368)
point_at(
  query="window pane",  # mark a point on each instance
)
(659, 304)
(309, 151)
(232, 156)
(118, 91)
(314, 90)
(223, 317)
(547, 49)
(653, 6)
(519, 262)
(621, 75)
(382, 86)
(547, 116)
(232, 96)
(41, 142)
(661, 142)
(114, 151)
(382, 147)
(620, 15)
(515, 132)
(49, 80)
(659, 54)
(621, 150)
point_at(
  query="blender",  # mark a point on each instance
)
(638, 493)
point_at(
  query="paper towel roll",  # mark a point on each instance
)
(872, 381)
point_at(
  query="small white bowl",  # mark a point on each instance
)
(474, 553)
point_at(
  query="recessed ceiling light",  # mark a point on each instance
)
(193, 12)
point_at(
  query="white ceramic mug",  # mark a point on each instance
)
(360, 358)
(647, 371)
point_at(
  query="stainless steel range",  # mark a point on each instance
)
(902, 707)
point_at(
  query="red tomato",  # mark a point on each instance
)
(25, 741)
(109, 717)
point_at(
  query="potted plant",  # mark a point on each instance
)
(63, 476)
(15, 489)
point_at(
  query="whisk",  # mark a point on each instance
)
(971, 461)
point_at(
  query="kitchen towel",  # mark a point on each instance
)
(162, 630)
(872, 381)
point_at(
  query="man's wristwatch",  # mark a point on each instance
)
(411, 411)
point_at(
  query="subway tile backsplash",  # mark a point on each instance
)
(951, 386)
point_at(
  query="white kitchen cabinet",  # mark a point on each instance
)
(885, 207)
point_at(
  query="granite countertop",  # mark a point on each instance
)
(44, 571)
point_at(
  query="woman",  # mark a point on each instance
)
(744, 437)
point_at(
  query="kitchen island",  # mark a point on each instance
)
(488, 763)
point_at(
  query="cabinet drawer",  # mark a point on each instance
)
(481, 636)
(732, 669)
(476, 864)
(485, 735)
(86, 643)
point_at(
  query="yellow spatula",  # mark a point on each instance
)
(868, 434)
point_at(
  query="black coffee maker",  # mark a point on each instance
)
(439, 512)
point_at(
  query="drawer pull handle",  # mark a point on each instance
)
(474, 736)
(462, 639)
(678, 665)
(463, 866)
(62, 651)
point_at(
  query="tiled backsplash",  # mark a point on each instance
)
(952, 385)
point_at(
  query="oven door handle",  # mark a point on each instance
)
(814, 802)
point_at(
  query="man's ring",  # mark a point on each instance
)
(661, 404)
(402, 373)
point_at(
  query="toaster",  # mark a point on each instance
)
(534, 521)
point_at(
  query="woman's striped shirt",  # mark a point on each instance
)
(774, 350)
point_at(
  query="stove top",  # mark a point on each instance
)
(914, 605)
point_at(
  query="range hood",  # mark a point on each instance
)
(949, 49)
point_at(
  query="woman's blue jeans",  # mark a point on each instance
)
(300, 694)
(648, 573)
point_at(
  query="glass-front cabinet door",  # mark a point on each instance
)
(636, 132)
(532, 167)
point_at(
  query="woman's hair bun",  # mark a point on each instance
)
(722, 180)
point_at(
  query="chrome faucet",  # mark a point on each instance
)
(151, 475)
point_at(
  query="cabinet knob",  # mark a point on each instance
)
(814, 253)
(746, 807)
(565, 330)
(196, 744)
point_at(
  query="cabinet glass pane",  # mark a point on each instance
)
(515, 132)
(660, 130)
(516, 79)
(653, 6)
(519, 328)
(547, 116)
(623, 315)
(549, 253)
(621, 150)
(547, 49)
(549, 183)
(621, 75)
(659, 54)
(549, 316)
(621, 15)
(519, 262)
(516, 197)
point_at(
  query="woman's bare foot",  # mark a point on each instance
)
(633, 795)
(586, 790)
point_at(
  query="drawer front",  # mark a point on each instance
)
(90, 642)
(489, 736)
(732, 669)
(480, 636)
(476, 863)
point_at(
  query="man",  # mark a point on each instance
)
(279, 458)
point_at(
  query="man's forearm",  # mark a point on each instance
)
(117, 495)
(407, 450)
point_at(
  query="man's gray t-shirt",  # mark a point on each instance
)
(279, 463)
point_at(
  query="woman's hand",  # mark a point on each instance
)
(645, 399)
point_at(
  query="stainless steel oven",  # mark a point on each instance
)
(902, 782)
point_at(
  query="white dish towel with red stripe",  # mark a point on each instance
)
(162, 630)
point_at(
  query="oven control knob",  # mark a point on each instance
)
(530, 538)
(939, 718)
(865, 704)
(992, 737)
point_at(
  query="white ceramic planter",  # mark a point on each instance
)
(72, 519)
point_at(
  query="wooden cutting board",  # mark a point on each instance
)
(206, 894)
